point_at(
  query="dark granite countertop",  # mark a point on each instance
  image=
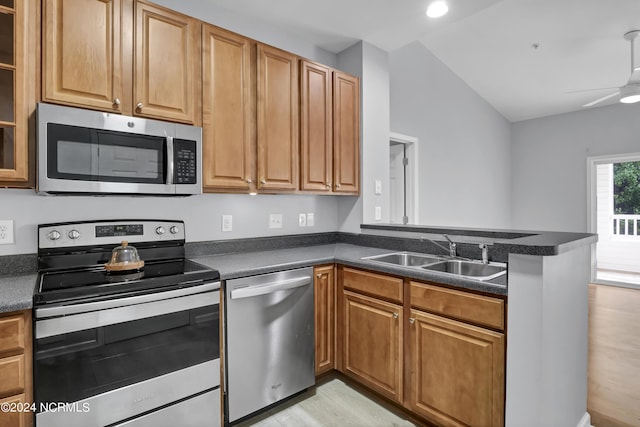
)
(236, 265)
(525, 242)
(16, 292)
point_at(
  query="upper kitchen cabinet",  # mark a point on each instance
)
(120, 56)
(329, 130)
(82, 53)
(346, 133)
(316, 131)
(18, 24)
(166, 74)
(229, 151)
(277, 124)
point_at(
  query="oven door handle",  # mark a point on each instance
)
(66, 310)
(111, 316)
(269, 288)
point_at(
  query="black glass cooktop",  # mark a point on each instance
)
(96, 283)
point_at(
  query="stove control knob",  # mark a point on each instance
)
(54, 235)
(160, 230)
(174, 230)
(74, 234)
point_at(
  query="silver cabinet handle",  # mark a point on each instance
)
(411, 320)
(249, 181)
(139, 106)
(395, 315)
(329, 185)
(263, 182)
(116, 101)
(337, 185)
(269, 288)
(319, 276)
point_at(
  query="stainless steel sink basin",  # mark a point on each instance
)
(405, 259)
(472, 269)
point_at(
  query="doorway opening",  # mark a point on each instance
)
(403, 179)
(615, 217)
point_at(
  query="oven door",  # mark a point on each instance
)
(108, 362)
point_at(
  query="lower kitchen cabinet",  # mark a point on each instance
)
(325, 318)
(15, 368)
(372, 343)
(457, 372)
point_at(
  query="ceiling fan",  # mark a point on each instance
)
(630, 92)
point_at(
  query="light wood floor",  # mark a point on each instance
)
(330, 404)
(614, 356)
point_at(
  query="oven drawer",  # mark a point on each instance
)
(199, 411)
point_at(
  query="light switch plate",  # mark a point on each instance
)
(378, 186)
(6, 232)
(378, 214)
(275, 220)
(227, 223)
(311, 221)
(302, 220)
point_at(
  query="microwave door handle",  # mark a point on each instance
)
(169, 160)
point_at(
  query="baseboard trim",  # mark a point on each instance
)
(585, 421)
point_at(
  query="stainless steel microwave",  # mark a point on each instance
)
(91, 152)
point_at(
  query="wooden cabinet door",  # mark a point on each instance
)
(325, 294)
(316, 128)
(372, 343)
(277, 119)
(227, 144)
(166, 74)
(457, 372)
(18, 34)
(82, 56)
(16, 419)
(346, 133)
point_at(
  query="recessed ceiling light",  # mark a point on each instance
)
(437, 9)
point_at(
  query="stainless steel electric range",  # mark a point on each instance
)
(133, 349)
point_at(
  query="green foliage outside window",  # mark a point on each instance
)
(626, 188)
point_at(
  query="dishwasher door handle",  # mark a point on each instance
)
(268, 288)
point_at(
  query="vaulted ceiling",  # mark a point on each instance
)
(525, 57)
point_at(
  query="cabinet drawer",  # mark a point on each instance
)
(465, 306)
(11, 333)
(12, 374)
(386, 287)
(15, 418)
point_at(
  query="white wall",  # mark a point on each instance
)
(465, 144)
(549, 168)
(202, 214)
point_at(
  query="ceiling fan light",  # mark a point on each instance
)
(437, 9)
(630, 94)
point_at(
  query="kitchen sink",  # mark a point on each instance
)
(472, 269)
(405, 259)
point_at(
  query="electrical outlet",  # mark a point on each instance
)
(378, 213)
(275, 220)
(302, 220)
(6, 232)
(227, 223)
(310, 220)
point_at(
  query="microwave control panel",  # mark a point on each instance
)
(184, 155)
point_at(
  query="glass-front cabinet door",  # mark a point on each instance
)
(14, 91)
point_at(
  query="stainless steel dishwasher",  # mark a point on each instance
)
(269, 340)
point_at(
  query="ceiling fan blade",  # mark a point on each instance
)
(592, 90)
(604, 98)
(635, 77)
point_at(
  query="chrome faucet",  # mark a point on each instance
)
(485, 253)
(452, 246)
